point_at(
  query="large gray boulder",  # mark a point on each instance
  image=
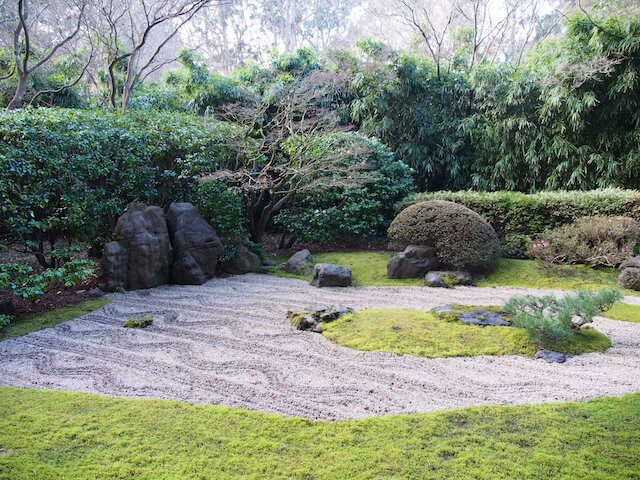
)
(328, 275)
(141, 255)
(414, 262)
(629, 278)
(196, 245)
(300, 263)
(243, 261)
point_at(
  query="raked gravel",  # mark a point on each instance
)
(229, 342)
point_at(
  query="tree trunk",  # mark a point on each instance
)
(18, 96)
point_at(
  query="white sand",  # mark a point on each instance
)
(229, 342)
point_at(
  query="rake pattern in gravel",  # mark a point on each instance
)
(229, 342)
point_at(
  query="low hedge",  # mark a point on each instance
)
(517, 217)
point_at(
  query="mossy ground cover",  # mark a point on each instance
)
(624, 311)
(47, 435)
(38, 321)
(370, 269)
(415, 332)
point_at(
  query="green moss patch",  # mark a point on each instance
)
(369, 269)
(135, 322)
(38, 321)
(425, 334)
(623, 311)
(414, 332)
(46, 435)
(531, 274)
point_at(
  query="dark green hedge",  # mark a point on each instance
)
(518, 217)
(68, 174)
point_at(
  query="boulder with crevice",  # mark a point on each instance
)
(414, 262)
(243, 261)
(196, 245)
(141, 255)
(629, 277)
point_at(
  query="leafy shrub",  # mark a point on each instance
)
(21, 280)
(461, 237)
(363, 211)
(515, 246)
(222, 208)
(5, 320)
(595, 241)
(550, 320)
(68, 174)
(515, 216)
(135, 322)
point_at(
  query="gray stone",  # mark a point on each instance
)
(328, 275)
(310, 319)
(633, 262)
(551, 357)
(93, 293)
(483, 318)
(444, 309)
(269, 262)
(244, 261)
(142, 233)
(7, 308)
(448, 279)
(300, 263)
(414, 262)
(629, 278)
(196, 245)
(115, 267)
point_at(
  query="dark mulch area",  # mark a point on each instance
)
(271, 245)
(54, 298)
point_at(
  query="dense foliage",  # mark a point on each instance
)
(594, 241)
(68, 174)
(363, 211)
(549, 320)
(520, 218)
(462, 238)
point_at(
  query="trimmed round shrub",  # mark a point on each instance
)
(462, 238)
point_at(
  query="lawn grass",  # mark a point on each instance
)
(370, 270)
(623, 311)
(53, 435)
(531, 274)
(415, 332)
(38, 321)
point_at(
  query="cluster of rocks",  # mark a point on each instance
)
(310, 319)
(324, 274)
(151, 249)
(417, 261)
(476, 316)
(629, 277)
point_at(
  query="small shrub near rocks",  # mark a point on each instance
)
(549, 320)
(594, 241)
(463, 239)
(5, 320)
(135, 322)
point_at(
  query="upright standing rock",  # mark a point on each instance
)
(141, 255)
(630, 274)
(196, 245)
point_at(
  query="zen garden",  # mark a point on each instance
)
(334, 239)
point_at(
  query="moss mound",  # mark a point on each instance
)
(462, 238)
(425, 334)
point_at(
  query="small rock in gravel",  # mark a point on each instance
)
(329, 275)
(550, 356)
(93, 293)
(310, 319)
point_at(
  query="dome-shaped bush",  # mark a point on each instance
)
(462, 238)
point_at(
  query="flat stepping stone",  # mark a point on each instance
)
(551, 357)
